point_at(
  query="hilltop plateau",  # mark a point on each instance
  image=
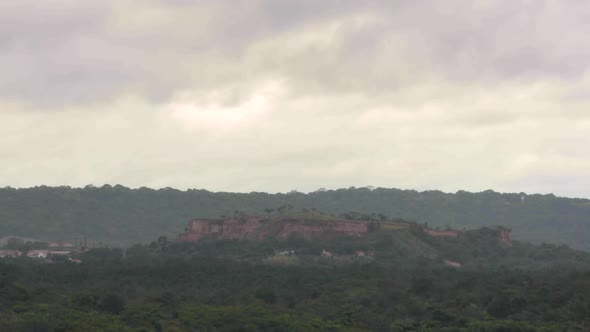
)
(122, 216)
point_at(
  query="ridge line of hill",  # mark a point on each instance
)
(123, 216)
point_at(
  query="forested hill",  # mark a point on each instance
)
(119, 215)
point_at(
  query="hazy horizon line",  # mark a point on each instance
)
(295, 191)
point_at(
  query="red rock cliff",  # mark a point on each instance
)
(254, 228)
(505, 237)
(227, 229)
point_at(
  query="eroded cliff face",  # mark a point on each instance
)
(258, 228)
(253, 228)
(505, 237)
(227, 229)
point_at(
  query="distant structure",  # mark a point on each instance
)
(61, 245)
(9, 253)
(37, 254)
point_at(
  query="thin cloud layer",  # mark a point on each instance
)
(281, 95)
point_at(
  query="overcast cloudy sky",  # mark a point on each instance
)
(278, 95)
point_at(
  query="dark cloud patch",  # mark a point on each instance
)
(510, 40)
(66, 75)
(59, 53)
(33, 26)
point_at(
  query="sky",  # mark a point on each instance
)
(281, 95)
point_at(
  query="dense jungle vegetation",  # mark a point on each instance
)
(122, 216)
(233, 285)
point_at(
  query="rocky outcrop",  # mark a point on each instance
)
(228, 229)
(254, 228)
(258, 228)
(505, 236)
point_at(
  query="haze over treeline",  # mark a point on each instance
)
(389, 279)
(269, 95)
(118, 215)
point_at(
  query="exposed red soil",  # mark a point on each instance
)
(254, 228)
